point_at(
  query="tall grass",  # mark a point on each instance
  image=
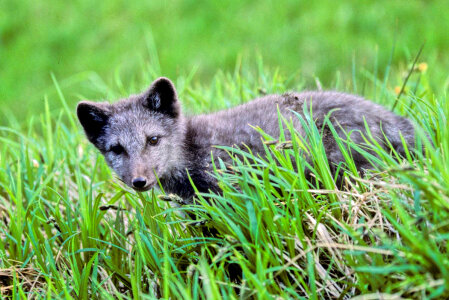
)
(69, 230)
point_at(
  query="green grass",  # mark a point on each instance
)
(85, 43)
(69, 230)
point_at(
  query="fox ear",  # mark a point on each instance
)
(94, 119)
(162, 97)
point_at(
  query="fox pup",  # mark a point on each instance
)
(146, 137)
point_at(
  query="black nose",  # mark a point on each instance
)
(139, 182)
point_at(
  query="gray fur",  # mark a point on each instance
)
(186, 143)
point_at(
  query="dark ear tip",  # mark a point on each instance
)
(81, 104)
(162, 97)
(163, 80)
(163, 84)
(87, 110)
(83, 107)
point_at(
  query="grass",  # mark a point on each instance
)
(69, 230)
(83, 43)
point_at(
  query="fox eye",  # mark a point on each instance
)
(117, 149)
(153, 140)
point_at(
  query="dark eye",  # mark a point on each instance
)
(117, 149)
(153, 140)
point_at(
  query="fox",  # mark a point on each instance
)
(146, 139)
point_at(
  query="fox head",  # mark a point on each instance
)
(140, 137)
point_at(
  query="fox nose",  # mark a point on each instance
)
(139, 182)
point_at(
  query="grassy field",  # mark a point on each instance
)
(86, 44)
(69, 229)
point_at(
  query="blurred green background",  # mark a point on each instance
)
(84, 41)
